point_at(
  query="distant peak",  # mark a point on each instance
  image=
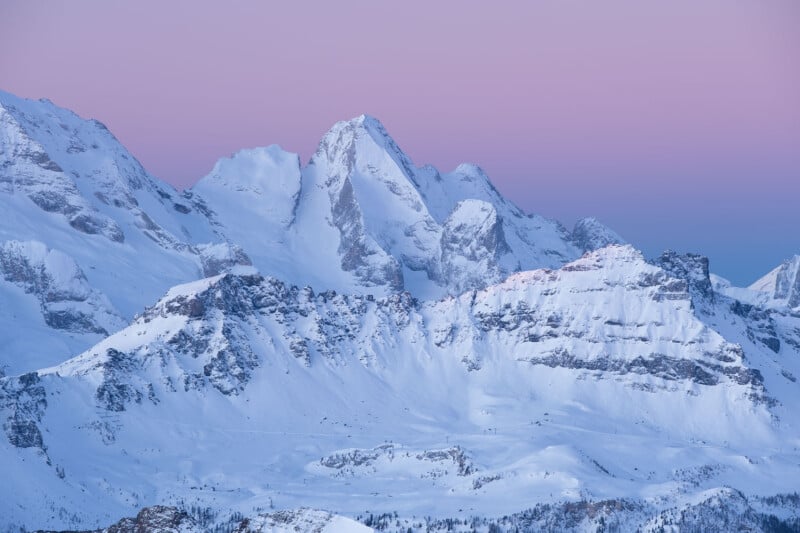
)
(362, 123)
(471, 170)
(273, 152)
(591, 234)
(362, 135)
(367, 121)
(268, 170)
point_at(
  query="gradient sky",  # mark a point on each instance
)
(675, 122)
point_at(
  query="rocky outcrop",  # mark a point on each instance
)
(219, 258)
(66, 299)
(358, 253)
(692, 268)
(590, 234)
(472, 247)
(787, 282)
(381, 224)
(23, 400)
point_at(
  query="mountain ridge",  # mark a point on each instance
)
(361, 333)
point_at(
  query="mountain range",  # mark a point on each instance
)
(361, 343)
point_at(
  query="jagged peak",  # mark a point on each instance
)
(693, 268)
(767, 283)
(368, 121)
(362, 124)
(340, 145)
(590, 234)
(471, 170)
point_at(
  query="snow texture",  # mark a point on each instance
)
(359, 344)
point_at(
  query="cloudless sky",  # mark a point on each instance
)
(677, 122)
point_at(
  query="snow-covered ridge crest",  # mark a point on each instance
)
(559, 319)
(590, 234)
(608, 311)
(386, 225)
(405, 339)
(605, 325)
(339, 144)
(782, 285)
(68, 183)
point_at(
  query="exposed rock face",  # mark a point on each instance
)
(432, 463)
(787, 282)
(23, 400)
(473, 245)
(26, 168)
(217, 333)
(219, 258)
(358, 253)
(67, 301)
(155, 519)
(68, 184)
(389, 226)
(361, 170)
(453, 349)
(760, 324)
(690, 267)
(590, 234)
(780, 289)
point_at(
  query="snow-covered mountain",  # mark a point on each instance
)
(377, 222)
(363, 343)
(781, 286)
(68, 185)
(590, 234)
(596, 381)
(45, 291)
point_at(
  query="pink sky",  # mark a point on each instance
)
(677, 123)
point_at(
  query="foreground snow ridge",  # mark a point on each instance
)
(363, 344)
(553, 385)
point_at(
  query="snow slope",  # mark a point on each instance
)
(376, 221)
(238, 392)
(45, 290)
(781, 286)
(361, 338)
(67, 183)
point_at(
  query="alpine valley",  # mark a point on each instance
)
(362, 344)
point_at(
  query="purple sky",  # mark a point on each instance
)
(677, 123)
